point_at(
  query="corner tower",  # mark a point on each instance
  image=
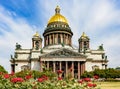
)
(83, 42)
(36, 41)
(57, 30)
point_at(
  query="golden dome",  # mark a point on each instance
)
(84, 35)
(36, 35)
(57, 17)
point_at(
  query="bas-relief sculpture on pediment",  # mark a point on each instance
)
(63, 53)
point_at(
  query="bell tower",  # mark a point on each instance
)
(36, 41)
(83, 43)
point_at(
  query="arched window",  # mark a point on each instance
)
(85, 45)
(36, 45)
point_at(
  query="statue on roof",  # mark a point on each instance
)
(18, 46)
(101, 47)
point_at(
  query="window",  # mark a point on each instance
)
(24, 67)
(37, 45)
(95, 67)
(59, 39)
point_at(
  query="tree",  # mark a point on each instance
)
(2, 69)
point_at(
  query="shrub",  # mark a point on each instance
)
(2, 69)
(35, 74)
(87, 74)
(106, 73)
(23, 73)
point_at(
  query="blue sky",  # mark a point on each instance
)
(99, 19)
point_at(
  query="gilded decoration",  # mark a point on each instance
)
(57, 17)
(36, 35)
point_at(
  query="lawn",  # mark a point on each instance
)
(109, 85)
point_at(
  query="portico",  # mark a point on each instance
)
(69, 62)
(68, 67)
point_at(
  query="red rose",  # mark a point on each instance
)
(40, 79)
(45, 77)
(6, 76)
(94, 85)
(80, 81)
(28, 77)
(59, 78)
(59, 71)
(15, 80)
(90, 85)
(96, 77)
(87, 79)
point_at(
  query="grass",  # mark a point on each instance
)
(109, 85)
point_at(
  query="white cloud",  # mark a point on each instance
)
(112, 46)
(13, 30)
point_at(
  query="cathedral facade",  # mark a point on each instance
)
(58, 52)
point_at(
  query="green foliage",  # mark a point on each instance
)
(36, 74)
(101, 73)
(23, 73)
(117, 68)
(106, 73)
(2, 69)
(87, 74)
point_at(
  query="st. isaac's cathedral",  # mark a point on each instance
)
(58, 52)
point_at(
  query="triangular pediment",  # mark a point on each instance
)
(64, 53)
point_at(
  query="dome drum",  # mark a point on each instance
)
(58, 26)
(57, 31)
(57, 38)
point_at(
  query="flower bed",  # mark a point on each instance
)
(43, 80)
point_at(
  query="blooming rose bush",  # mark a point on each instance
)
(45, 80)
